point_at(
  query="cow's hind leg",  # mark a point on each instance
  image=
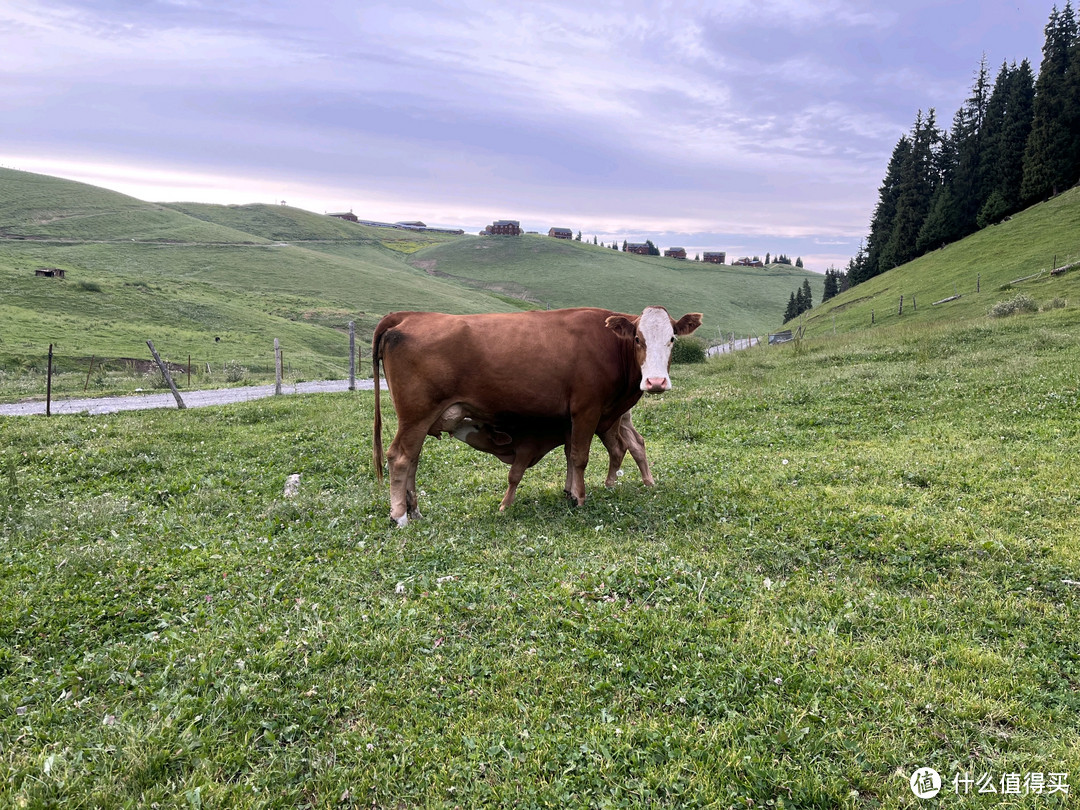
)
(635, 443)
(402, 458)
(616, 449)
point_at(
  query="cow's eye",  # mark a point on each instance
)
(637, 340)
(672, 339)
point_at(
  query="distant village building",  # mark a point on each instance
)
(640, 248)
(504, 227)
(349, 215)
(561, 233)
(714, 256)
(675, 253)
(49, 272)
(745, 262)
(416, 224)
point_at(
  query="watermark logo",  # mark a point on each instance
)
(926, 783)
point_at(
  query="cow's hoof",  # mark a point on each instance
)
(402, 521)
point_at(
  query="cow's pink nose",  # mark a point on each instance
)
(654, 385)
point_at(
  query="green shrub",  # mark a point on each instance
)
(1018, 303)
(688, 350)
(234, 372)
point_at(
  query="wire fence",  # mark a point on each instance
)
(55, 374)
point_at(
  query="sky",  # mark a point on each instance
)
(748, 126)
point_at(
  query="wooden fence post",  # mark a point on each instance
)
(165, 373)
(87, 385)
(352, 355)
(48, 384)
(277, 367)
(871, 317)
(901, 312)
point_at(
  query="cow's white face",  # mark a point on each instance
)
(654, 333)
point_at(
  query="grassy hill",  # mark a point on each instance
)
(220, 282)
(983, 269)
(283, 223)
(562, 273)
(40, 207)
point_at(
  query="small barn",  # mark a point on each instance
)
(561, 233)
(49, 272)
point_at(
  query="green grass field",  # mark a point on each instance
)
(860, 558)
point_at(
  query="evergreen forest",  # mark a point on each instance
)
(1014, 142)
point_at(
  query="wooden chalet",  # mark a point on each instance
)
(561, 233)
(639, 248)
(714, 256)
(504, 227)
(675, 253)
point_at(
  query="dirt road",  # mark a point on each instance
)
(192, 399)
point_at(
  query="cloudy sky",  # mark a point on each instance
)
(738, 125)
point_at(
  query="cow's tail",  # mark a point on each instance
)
(377, 449)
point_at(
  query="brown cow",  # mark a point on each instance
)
(521, 443)
(586, 367)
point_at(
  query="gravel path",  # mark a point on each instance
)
(192, 399)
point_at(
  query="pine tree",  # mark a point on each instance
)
(1009, 118)
(624, 245)
(792, 310)
(1072, 109)
(807, 296)
(855, 267)
(832, 284)
(798, 262)
(1047, 156)
(918, 181)
(881, 225)
(767, 258)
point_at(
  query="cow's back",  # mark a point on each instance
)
(543, 363)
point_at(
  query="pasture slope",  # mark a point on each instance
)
(1001, 261)
(220, 282)
(861, 558)
(562, 273)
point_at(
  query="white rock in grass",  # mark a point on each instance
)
(292, 485)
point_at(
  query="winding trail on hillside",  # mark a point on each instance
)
(192, 399)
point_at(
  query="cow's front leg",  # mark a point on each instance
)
(577, 456)
(517, 470)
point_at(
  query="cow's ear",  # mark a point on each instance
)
(622, 326)
(687, 323)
